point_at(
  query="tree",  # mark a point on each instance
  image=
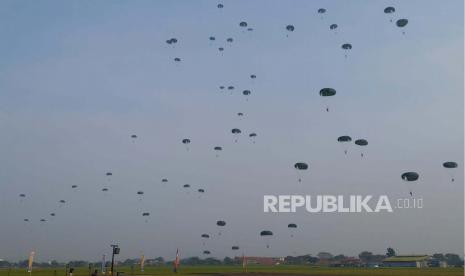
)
(390, 252)
(325, 255)
(366, 256)
(453, 260)
(439, 256)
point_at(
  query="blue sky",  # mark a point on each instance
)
(78, 78)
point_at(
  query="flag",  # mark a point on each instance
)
(142, 261)
(103, 264)
(31, 260)
(176, 261)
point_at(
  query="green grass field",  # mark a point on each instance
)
(253, 270)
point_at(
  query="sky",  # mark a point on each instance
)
(78, 78)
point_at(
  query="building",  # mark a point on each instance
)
(407, 261)
(261, 260)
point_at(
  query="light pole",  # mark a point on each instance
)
(114, 252)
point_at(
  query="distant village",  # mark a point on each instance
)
(364, 259)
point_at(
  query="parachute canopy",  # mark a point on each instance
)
(344, 138)
(321, 10)
(333, 26)
(186, 141)
(346, 46)
(235, 247)
(301, 166)
(389, 10)
(205, 236)
(266, 233)
(253, 134)
(402, 23)
(235, 131)
(246, 92)
(243, 24)
(327, 92)
(410, 176)
(221, 223)
(361, 142)
(290, 28)
(449, 165)
(292, 225)
(146, 214)
(218, 148)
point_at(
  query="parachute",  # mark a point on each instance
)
(43, 220)
(246, 93)
(186, 186)
(253, 76)
(221, 49)
(221, 87)
(62, 201)
(230, 40)
(236, 132)
(289, 28)
(206, 252)
(252, 136)
(217, 149)
(321, 11)
(164, 180)
(212, 38)
(346, 47)
(235, 247)
(22, 195)
(267, 235)
(450, 165)
(344, 140)
(240, 114)
(220, 223)
(300, 166)
(26, 220)
(52, 214)
(390, 11)
(104, 190)
(327, 92)
(333, 26)
(410, 177)
(401, 23)
(73, 186)
(205, 236)
(220, 6)
(362, 143)
(186, 142)
(177, 59)
(292, 227)
(243, 24)
(109, 174)
(201, 191)
(140, 194)
(146, 215)
(133, 136)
